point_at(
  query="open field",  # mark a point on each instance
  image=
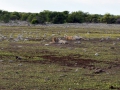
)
(28, 61)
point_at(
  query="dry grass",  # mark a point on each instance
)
(29, 62)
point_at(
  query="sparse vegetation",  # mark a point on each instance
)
(28, 61)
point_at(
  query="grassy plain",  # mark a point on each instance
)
(27, 63)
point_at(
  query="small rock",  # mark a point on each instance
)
(76, 70)
(42, 71)
(17, 72)
(107, 38)
(96, 54)
(114, 43)
(46, 44)
(118, 38)
(98, 71)
(102, 39)
(19, 46)
(20, 64)
(53, 34)
(84, 50)
(47, 78)
(10, 61)
(18, 57)
(113, 87)
(77, 42)
(1, 60)
(63, 75)
(112, 48)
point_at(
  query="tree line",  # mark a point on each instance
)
(55, 17)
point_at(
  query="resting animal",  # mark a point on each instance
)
(55, 39)
(62, 42)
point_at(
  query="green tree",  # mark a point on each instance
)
(43, 17)
(34, 21)
(59, 18)
(66, 14)
(76, 17)
(95, 18)
(0, 15)
(1, 11)
(6, 18)
(24, 16)
(108, 18)
(15, 16)
(30, 17)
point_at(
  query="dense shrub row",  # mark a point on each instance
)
(55, 17)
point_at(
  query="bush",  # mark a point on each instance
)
(118, 21)
(34, 21)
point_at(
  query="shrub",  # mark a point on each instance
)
(34, 21)
(118, 21)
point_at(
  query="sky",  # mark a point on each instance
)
(36, 6)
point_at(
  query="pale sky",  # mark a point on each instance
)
(91, 6)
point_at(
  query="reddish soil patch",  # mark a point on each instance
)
(71, 60)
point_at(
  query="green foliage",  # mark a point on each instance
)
(66, 13)
(0, 11)
(24, 16)
(34, 21)
(13, 17)
(59, 17)
(108, 18)
(76, 17)
(6, 18)
(17, 14)
(95, 18)
(33, 16)
(30, 17)
(44, 16)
